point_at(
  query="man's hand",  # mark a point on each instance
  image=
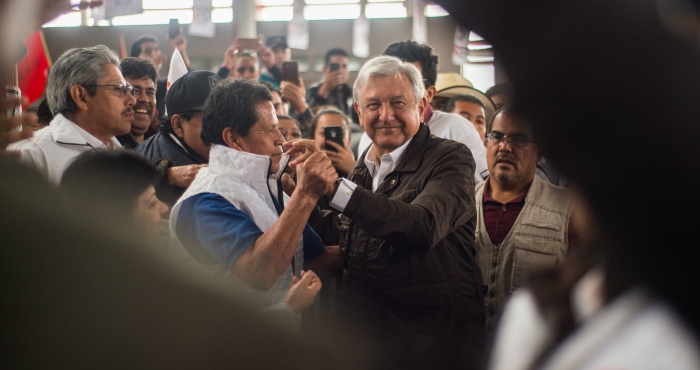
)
(230, 56)
(315, 176)
(330, 82)
(343, 159)
(7, 125)
(180, 43)
(183, 176)
(299, 150)
(303, 292)
(295, 95)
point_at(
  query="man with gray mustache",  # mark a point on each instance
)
(522, 221)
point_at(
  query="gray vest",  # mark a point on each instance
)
(539, 238)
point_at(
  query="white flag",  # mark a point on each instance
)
(177, 68)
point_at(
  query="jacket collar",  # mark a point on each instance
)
(252, 168)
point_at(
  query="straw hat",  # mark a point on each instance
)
(451, 84)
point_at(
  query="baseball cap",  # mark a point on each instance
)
(190, 91)
(276, 41)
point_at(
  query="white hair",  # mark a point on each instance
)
(389, 66)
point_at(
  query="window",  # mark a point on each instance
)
(385, 9)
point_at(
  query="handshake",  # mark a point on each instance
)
(314, 171)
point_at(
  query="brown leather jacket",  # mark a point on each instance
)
(408, 252)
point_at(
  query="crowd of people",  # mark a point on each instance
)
(408, 218)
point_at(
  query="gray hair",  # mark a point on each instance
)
(389, 66)
(81, 66)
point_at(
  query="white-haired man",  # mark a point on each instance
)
(407, 230)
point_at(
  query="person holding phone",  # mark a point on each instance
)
(330, 131)
(333, 90)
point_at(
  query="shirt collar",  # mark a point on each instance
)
(395, 156)
(62, 130)
(487, 196)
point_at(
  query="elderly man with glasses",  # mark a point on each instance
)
(91, 103)
(522, 221)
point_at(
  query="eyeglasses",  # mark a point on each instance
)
(516, 140)
(122, 88)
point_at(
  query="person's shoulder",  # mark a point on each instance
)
(36, 142)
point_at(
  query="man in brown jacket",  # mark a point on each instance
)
(406, 231)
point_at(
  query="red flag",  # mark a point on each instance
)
(33, 69)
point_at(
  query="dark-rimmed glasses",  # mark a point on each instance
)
(121, 89)
(515, 140)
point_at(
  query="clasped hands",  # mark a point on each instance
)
(315, 174)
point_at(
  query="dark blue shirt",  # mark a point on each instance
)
(212, 223)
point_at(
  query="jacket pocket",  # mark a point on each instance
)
(533, 254)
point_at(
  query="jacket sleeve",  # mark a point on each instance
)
(414, 222)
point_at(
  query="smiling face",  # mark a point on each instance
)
(511, 166)
(145, 107)
(264, 138)
(388, 111)
(109, 113)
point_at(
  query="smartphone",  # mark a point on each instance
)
(335, 134)
(290, 72)
(173, 28)
(335, 67)
(248, 44)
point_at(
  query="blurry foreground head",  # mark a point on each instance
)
(120, 185)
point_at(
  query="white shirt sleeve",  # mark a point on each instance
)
(343, 194)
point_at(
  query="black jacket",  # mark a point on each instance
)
(408, 250)
(163, 145)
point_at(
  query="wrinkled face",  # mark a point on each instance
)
(342, 62)
(149, 51)
(191, 134)
(280, 107)
(145, 107)
(109, 107)
(264, 138)
(289, 129)
(388, 111)
(148, 211)
(474, 113)
(511, 165)
(246, 68)
(330, 120)
(281, 55)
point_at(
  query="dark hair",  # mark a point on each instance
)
(323, 112)
(334, 52)
(232, 103)
(43, 113)
(411, 51)
(282, 116)
(166, 127)
(450, 105)
(511, 111)
(502, 88)
(271, 88)
(136, 46)
(113, 181)
(138, 68)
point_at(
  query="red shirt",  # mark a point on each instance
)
(499, 218)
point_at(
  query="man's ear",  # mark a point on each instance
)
(79, 96)
(357, 110)
(430, 93)
(421, 107)
(231, 138)
(176, 123)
